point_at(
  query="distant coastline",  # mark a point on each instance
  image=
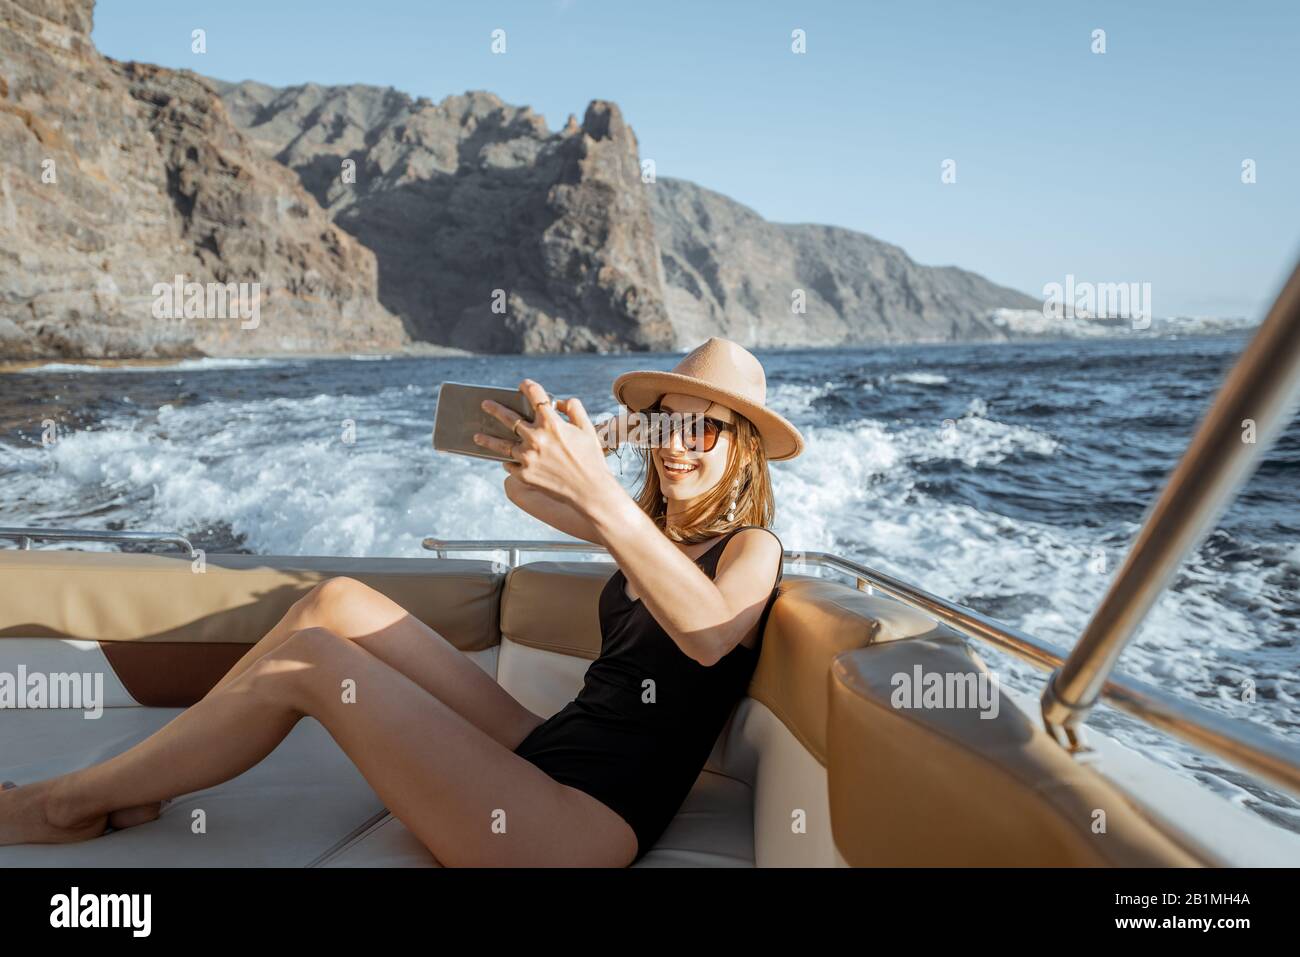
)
(426, 350)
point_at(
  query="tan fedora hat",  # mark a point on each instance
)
(721, 371)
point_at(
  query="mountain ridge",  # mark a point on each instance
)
(856, 288)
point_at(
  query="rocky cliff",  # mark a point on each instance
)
(117, 177)
(731, 273)
(470, 195)
(492, 233)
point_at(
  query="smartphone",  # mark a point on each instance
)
(460, 414)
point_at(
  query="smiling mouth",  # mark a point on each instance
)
(679, 468)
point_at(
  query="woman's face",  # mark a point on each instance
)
(684, 474)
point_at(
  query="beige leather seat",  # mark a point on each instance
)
(815, 768)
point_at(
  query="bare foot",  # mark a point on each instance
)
(23, 818)
(126, 817)
(131, 816)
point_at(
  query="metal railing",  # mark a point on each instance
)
(25, 536)
(1239, 742)
(1253, 406)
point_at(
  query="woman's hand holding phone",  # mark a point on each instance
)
(561, 457)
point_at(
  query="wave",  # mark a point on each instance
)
(186, 365)
(919, 378)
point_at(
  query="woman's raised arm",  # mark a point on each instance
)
(552, 511)
(705, 617)
(563, 458)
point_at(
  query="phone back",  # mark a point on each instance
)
(460, 414)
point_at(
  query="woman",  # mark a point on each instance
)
(484, 781)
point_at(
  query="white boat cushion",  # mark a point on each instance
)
(714, 828)
(288, 811)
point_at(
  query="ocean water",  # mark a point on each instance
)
(1010, 478)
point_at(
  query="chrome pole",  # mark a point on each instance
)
(1253, 406)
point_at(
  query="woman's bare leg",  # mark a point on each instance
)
(353, 610)
(469, 799)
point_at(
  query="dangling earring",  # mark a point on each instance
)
(731, 511)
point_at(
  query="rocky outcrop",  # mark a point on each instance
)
(491, 232)
(116, 178)
(731, 273)
(472, 195)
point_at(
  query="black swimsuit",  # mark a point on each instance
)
(640, 731)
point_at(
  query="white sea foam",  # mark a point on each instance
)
(279, 472)
(793, 400)
(185, 365)
(919, 378)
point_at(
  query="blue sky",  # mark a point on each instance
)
(1115, 167)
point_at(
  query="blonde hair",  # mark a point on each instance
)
(707, 518)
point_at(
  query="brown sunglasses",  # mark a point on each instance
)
(693, 439)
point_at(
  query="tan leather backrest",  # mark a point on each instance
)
(812, 621)
(918, 785)
(111, 597)
(554, 606)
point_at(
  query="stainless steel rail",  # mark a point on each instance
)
(25, 536)
(967, 620)
(1241, 743)
(1253, 406)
